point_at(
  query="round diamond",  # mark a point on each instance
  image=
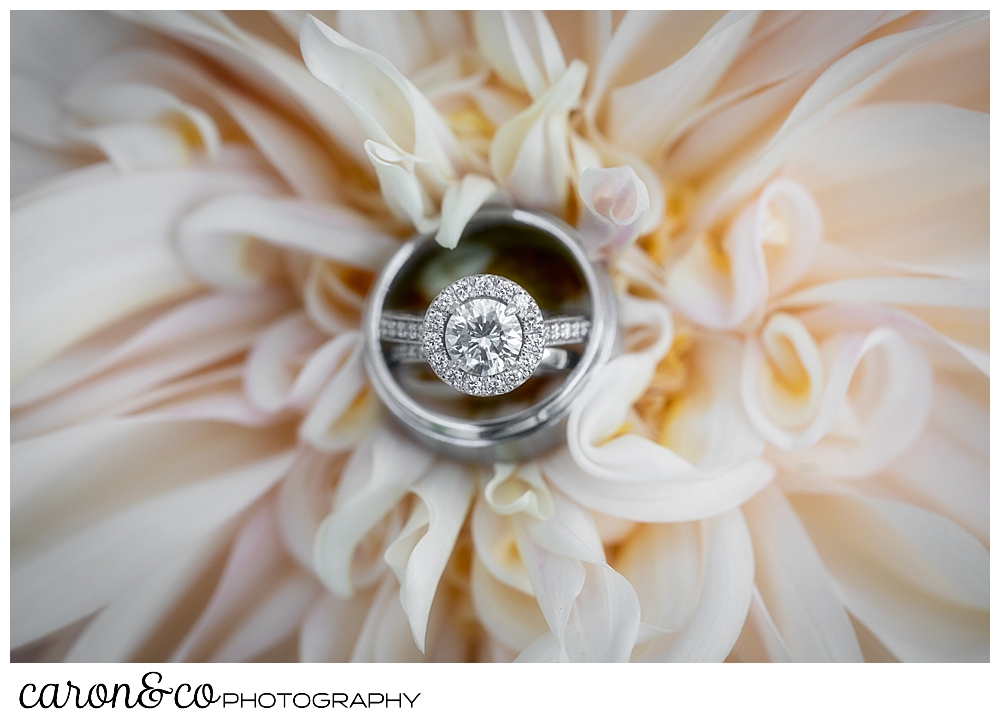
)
(483, 337)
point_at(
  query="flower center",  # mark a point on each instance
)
(483, 336)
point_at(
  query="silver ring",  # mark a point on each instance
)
(475, 420)
(484, 335)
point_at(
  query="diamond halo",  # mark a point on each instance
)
(483, 335)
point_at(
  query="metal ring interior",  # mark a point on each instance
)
(517, 436)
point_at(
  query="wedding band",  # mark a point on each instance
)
(482, 409)
(484, 335)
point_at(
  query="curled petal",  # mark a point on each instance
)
(389, 107)
(496, 547)
(630, 476)
(616, 203)
(530, 153)
(379, 473)
(523, 489)
(720, 282)
(419, 555)
(591, 610)
(402, 189)
(875, 403)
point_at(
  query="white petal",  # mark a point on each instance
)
(420, 554)
(915, 579)
(105, 265)
(510, 615)
(766, 248)
(98, 561)
(723, 602)
(330, 628)
(346, 410)
(116, 634)
(275, 619)
(460, 202)
(381, 471)
(496, 547)
(276, 357)
(521, 47)
(875, 404)
(219, 240)
(616, 203)
(842, 84)
(635, 478)
(591, 610)
(760, 641)
(797, 590)
(643, 115)
(402, 188)
(904, 184)
(262, 66)
(201, 332)
(522, 489)
(139, 126)
(389, 107)
(529, 154)
(645, 42)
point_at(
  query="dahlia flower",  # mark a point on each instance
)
(788, 461)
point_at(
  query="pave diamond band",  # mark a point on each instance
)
(484, 335)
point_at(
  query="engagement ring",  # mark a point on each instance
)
(516, 321)
(484, 335)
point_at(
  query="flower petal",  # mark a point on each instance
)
(508, 614)
(843, 83)
(875, 403)
(530, 153)
(220, 239)
(460, 202)
(760, 641)
(345, 411)
(330, 628)
(766, 249)
(420, 553)
(915, 579)
(903, 184)
(797, 590)
(642, 116)
(591, 610)
(95, 551)
(522, 48)
(723, 601)
(380, 472)
(117, 633)
(195, 334)
(616, 203)
(105, 265)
